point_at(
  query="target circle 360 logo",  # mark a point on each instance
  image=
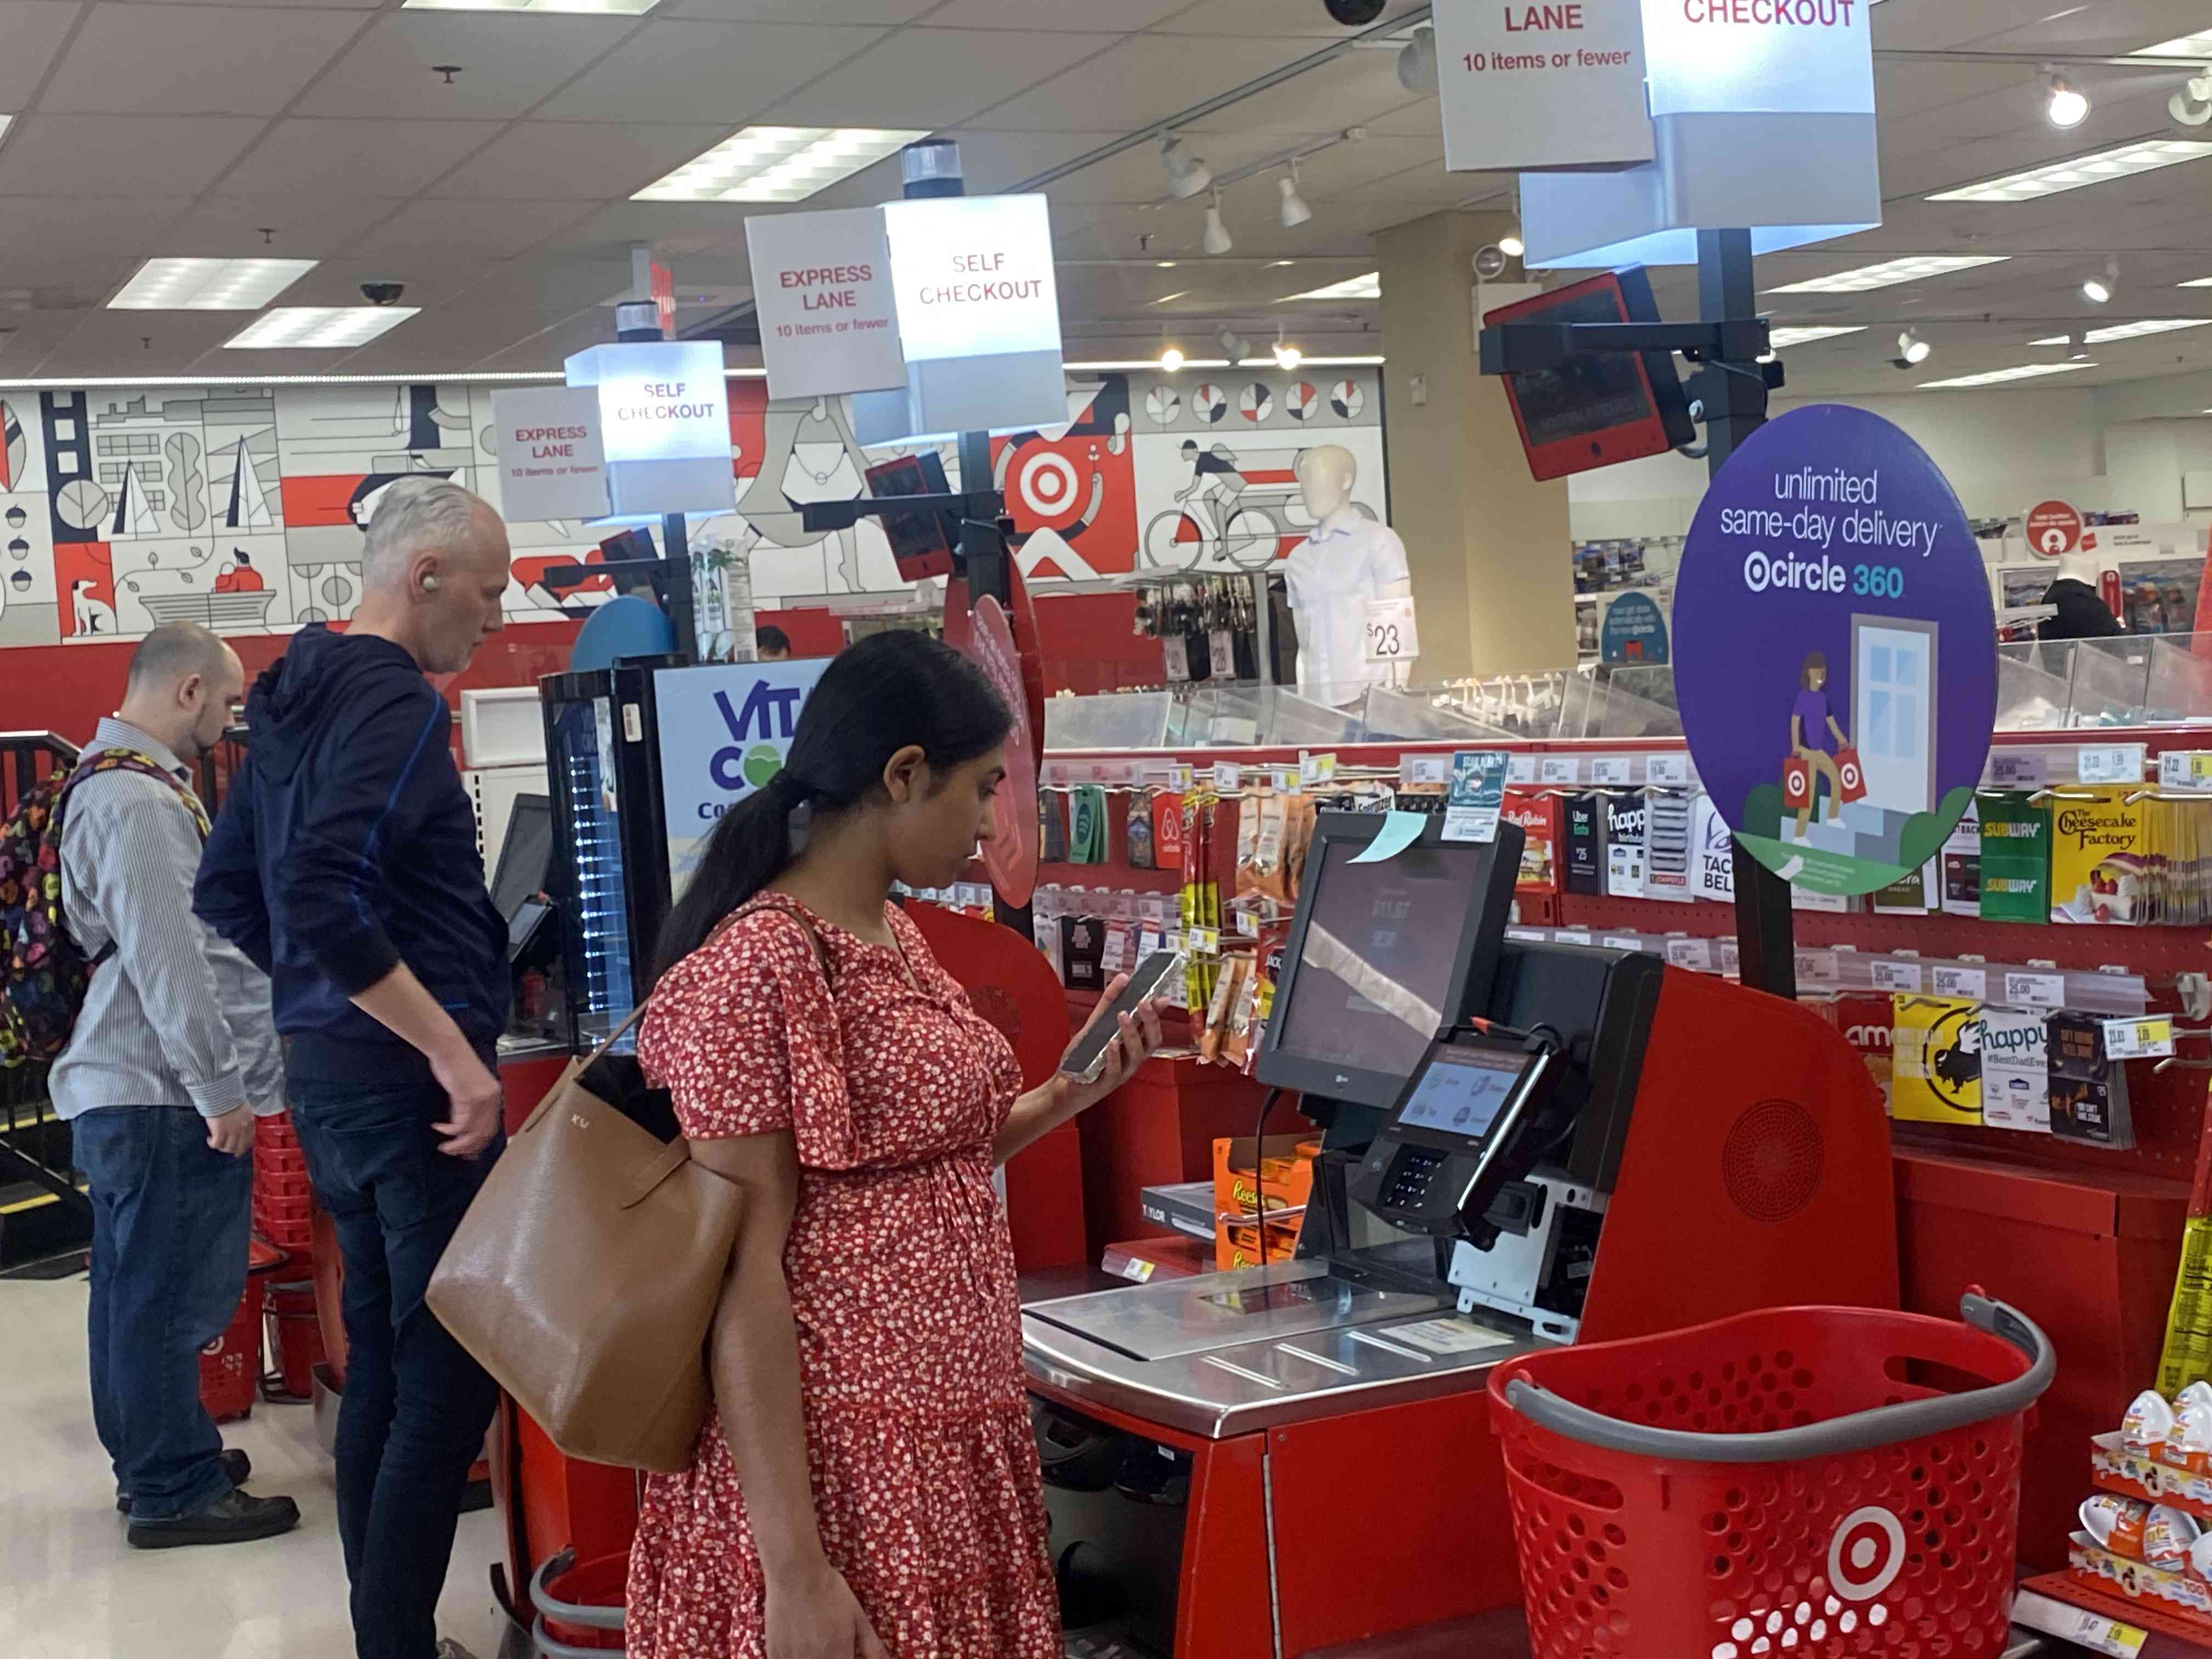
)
(1866, 1554)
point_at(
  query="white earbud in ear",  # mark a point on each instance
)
(429, 584)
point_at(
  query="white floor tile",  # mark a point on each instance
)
(71, 1588)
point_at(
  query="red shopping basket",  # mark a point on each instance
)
(1798, 1482)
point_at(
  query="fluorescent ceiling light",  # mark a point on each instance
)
(1781, 339)
(2189, 45)
(1999, 376)
(2202, 281)
(2100, 168)
(308, 328)
(1890, 273)
(1368, 287)
(4, 120)
(208, 285)
(778, 164)
(589, 8)
(2129, 331)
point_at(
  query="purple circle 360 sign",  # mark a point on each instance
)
(1835, 650)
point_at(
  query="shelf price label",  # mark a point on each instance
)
(2034, 990)
(2118, 763)
(2138, 1039)
(1668, 771)
(1520, 769)
(1228, 777)
(1694, 954)
(1892, 976)
(2024, 770)
(1612, 772)
(1970, 984)
(1204, 941)
(1818, 968)
(1391, 635)
(1560, 768)
(1424, 768)
(2185, 768)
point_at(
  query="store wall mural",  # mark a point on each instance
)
(243, 508)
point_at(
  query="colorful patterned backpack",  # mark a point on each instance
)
(44, 974)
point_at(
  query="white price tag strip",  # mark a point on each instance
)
(2138, 1039)
(1611, 773)
(1818, 968)
(1204, 941)
(1424, 768)
(1247, 924)
(1571, 936)
(1624, 942)
(1316, 768)
(1520, 769)
(1560, 769)
(1696, 954)
(1672, 771)
(2097, 1631)
(1228, 777)
(2029, 770)
(1526, 935)
(1905, 977)
(2120, 762)
(2034, 990)
(1971, 984)
(1731, 957)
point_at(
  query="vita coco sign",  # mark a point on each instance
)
(1788, 81)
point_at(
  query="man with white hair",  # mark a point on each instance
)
(345, 862)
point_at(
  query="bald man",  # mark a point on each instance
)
(172, 1055)
(345, 862)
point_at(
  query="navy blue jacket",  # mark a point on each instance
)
(347, 845)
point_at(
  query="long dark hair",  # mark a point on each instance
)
(892, 690)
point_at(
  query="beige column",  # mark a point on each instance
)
(1494, 573)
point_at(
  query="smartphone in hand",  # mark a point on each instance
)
(1088, 1057)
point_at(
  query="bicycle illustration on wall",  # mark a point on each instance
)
(1243, 513)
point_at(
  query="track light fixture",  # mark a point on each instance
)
(1912, 350)
(2068, 107)
(1511, 246)
(2099, 290)
(1187, 174)
(1295, 210)
(1217, 238)
(1171, 358)
(2192, 106)
(1234, 347)
(1287, 356)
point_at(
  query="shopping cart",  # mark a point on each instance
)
(1805, 1482)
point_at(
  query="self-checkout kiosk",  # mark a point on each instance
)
(1525, 1144)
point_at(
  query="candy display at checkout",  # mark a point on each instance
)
(2147, 1532)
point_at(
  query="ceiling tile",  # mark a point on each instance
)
(867, 14)
(466, 230)
(193, 60)
(690, 72)
(308, 225)
(353, 158)
(429, 282)
(170, 157)
(934, 78)
(1273, 19)
(583, 160)
(55, 231)
(1142, 80)
(1126, 15)
(33, 30)
(509, 60)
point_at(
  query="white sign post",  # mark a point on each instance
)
(552, 463)
(1532, 85)
(822, 289)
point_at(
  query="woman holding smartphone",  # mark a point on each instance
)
(870, 1487)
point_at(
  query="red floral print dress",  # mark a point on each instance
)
(902, 1277)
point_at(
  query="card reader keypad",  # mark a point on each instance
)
(1410, 1176)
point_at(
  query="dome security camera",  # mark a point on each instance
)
(383, 294)
(1354, 13)
(1489, 262)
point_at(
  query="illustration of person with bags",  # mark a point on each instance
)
(1812, 727)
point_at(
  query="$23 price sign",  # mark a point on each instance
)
(1391, 635)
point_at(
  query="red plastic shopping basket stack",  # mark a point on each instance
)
(1804, 1482)
(283, 1202)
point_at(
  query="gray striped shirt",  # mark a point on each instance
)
(175, 1017)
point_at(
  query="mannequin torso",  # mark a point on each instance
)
(1347, 561)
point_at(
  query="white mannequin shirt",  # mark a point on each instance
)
(1348, 560)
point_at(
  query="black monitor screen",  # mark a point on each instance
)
(1380, 946)
(1592, 391)
(525, 856)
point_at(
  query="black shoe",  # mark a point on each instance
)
(235, 1464)
(236, 1517)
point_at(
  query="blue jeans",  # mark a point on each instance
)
(170, 1216)
(417, 1406)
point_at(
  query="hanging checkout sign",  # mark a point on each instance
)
(663, 423)
(1835, 653)
(1536, 85)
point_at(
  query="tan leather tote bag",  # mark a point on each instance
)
(585, 1273)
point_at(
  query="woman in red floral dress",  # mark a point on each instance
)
(870, 1487)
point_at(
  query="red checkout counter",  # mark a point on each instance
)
(1261, 1464)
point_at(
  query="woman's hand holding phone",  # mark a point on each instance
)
(1135, 1042)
